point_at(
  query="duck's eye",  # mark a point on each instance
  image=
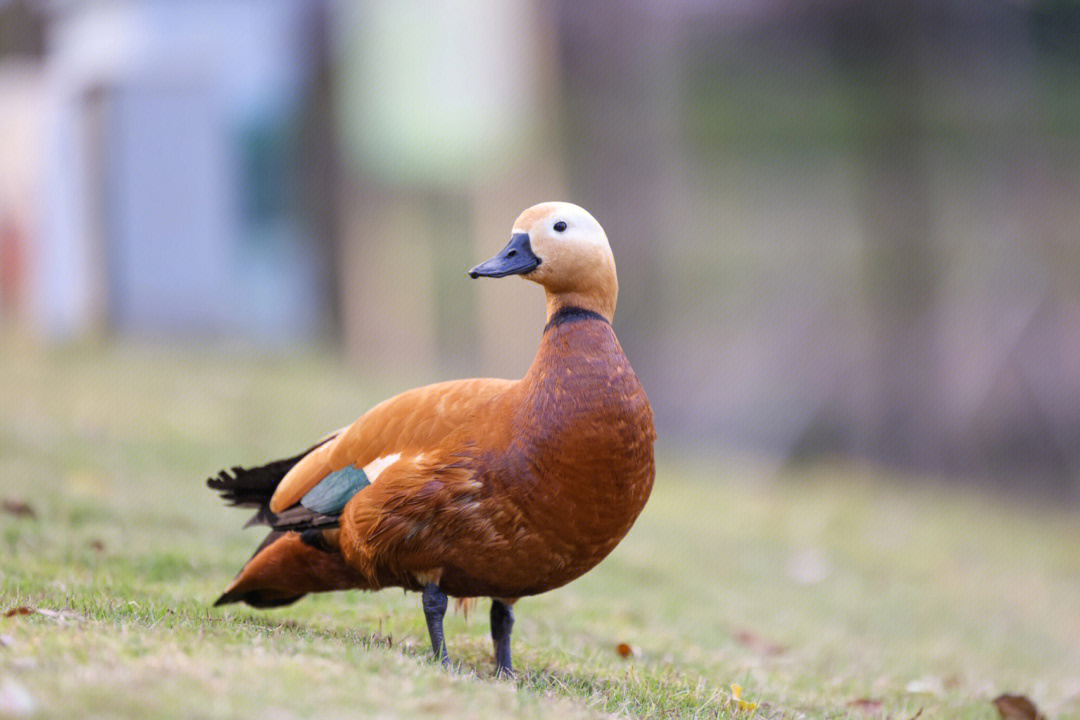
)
(560, 226)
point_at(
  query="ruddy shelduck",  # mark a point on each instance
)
(496, 488)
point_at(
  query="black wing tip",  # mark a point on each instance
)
(260, 599)
(262, 517)
(226, 599)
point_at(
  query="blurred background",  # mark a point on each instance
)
(844, 228)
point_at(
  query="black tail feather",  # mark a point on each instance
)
(253, 487)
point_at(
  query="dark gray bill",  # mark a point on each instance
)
(517, 258)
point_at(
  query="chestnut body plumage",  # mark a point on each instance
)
(479, 487)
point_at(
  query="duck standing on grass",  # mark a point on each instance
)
(497, 488)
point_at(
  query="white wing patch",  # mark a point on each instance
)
(374, 468)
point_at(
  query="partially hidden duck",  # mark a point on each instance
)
(469, 488)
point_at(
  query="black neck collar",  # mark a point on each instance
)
(571, 313)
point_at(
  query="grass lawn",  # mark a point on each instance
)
(823, 592)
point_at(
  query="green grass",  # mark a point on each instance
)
(810, 588)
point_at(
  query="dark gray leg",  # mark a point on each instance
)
(434, 610)
(502, 622)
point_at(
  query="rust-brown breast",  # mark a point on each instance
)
(534, 484)
(574, 476)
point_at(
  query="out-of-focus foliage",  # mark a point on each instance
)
(841, 227)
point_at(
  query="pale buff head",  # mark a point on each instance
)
(560, 246)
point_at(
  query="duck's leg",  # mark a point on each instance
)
(502, 622)
(434, 610)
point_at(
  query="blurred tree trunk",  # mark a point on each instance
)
(878, 43)
(623, 108)
(316, 172)
(23, 26)
(386, 273)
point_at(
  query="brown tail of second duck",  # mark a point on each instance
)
(285, 568)
(294, 559)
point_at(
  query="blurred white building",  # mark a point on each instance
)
(147, 173)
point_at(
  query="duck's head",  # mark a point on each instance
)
(560, 246)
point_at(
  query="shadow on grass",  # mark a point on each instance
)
(270, 626)
(637, 691)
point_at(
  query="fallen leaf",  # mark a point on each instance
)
(627, 650)
(18, 508)
(1017, 707)
(758, 644)
(866, 705)
(737, 701)
(96, 545)
(62, 616)
(21, 610)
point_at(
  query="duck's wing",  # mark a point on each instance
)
(414, 422)
(254, 486)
